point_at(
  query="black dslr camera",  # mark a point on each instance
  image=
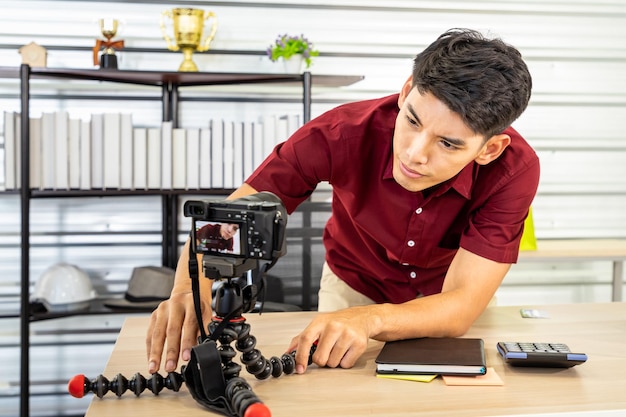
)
(251, 227)
(239, 240)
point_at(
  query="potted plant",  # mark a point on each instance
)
(286, 47)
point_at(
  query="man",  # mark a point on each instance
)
(431, 187)
(217, 236)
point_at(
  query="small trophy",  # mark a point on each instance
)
(108, 59)
(188, 29)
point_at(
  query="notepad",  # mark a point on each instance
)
(443, 356)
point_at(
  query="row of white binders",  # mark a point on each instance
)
(107, 152)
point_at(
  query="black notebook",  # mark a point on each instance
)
(443, 356)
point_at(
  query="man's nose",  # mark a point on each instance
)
(418, 149)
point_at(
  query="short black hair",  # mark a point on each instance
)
(483, 80)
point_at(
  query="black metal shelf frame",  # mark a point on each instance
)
(169, 82)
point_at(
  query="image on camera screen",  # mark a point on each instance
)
(217, 237)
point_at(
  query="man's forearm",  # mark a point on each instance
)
(182, 281)
(468, 288)
(438, 315)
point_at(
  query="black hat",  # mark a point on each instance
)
(148, 286)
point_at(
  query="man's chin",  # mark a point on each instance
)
(410, 184)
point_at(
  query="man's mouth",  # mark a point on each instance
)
(408, 172)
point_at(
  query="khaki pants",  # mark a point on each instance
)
(335, 294)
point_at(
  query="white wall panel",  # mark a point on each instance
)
(563, 216)
(575, 124)
(583, 171)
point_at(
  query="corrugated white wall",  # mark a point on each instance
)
(576, 51)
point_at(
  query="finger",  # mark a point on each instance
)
(190, 334)
(346, 351)
(337, 353)
(174, 334)
(149, 335)
(155, 337)
(293, 345)
(325, 345)
(350, 358)
(303, 350)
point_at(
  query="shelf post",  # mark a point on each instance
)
(25, 235)
(166, 105)
(172, 229)
(174, 104)
(306, 96)
(169, 201)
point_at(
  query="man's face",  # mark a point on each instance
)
(228, 230)
(431, 144)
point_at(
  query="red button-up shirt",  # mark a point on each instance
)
(388, 243)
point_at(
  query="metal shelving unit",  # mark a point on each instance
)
(169, 84)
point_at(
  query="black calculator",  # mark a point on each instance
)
(544, 355)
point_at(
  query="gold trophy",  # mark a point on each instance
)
(108, 59)
(188, 29)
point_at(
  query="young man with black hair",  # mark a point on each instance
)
(431, 188)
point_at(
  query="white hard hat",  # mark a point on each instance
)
(64, 287)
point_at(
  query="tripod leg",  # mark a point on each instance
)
(243, 400)
(257, 364)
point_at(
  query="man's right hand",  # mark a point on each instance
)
(173, 321)
(173, 324)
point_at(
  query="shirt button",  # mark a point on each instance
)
(418, 211)
(413, 274)
(410, 243)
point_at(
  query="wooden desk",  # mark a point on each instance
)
(599, 330)
(583, 250)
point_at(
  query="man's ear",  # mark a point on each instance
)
(404, 92)
(493, 148)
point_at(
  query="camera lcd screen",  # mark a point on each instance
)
(217, 238)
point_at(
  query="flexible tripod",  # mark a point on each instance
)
(211, 376)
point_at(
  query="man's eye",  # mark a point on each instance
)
(412, 121)
(448, 145)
